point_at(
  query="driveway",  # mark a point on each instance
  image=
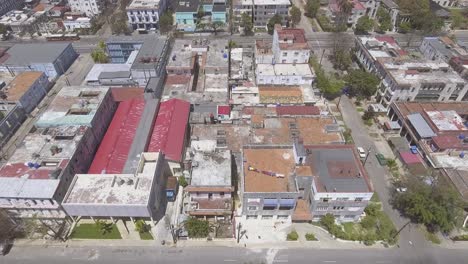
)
(410, 237)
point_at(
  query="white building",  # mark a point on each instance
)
(290, 45)
(144, 15)
(89, 7)
(357, 12)
(119, 195)
(263, 10)
(392, 8)
(284, 74)
(441, 49)
(71, 24)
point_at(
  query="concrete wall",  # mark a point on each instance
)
(282, 79)
(33, 96)
(10, 123)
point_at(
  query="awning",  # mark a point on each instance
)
(270, 202)
(287, 202)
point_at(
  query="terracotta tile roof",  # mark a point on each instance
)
(302, 211)
(283, 95)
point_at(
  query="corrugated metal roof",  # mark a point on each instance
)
(421, 126)
(169, 130)
(113, 150)
(35, 53)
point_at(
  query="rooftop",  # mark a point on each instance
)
(73, 105)
(27, 188)
(115, 146)
(280, 94)
(459, 178)
(187, 6)
(273, 2)
(170, 129)
(97, 69)
(381, 46)
(291, 38)
(229, 136)
(406, 108)
(242, 2)
(259, 172)
(337, 169)
(421, 71)
(447, 120)
(20, 85)
(285, 69)
(114, 189)
(25, 54)
(211, 168)
(144, 4)
(44, 153)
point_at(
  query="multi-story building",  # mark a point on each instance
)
(263, 10)
(18, 99)
(298, 183)
(36, 178)
(147, 55)
(51, 58)
(371, 7)
(334, 12)
(136, 195)
(89, 7)
(210, 188)
(187, 11)
(284, 74)
(72, 24)
(21, 21)
(441, 49)
(290, 46)
(392, 9)
(143, 15)
(8, 5)
(240, 7)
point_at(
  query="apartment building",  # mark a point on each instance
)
(393, 10)
(36, 178)
(240, 7)
(284, 74)
(263, 10)
(19, 98)
(334, 11)
(89, 7)
(210, 188)
(290, 46)
(442, 49)
(186, 13)
(143, 15)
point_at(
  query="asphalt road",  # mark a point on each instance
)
(217, 255)
(410, 237)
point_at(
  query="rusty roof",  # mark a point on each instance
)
(21, 84)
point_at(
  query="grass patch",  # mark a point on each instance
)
(432, 237)
(292, 236)
(310, 237)
(347, 136)
(368, 122)
(92, 231)
(375, 198)
(146, 236)
(360, 109)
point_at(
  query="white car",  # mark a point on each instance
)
(362, 152)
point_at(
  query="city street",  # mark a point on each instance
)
(216, 255)
(410, 237)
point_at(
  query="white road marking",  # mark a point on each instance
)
(229, 260)
(329, 261)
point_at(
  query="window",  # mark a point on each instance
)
(267, 217)
(338, 207)
(287, 204)
(321, 208)
(358, 199)
(270, 204)
(325, 200)
(283, 217)
(210, 196)
(252, 208)
(251, 217)
(342, 199)
(285, 54)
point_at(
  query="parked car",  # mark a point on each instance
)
(362, 152)
(401, 189)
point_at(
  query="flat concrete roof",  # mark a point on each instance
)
(27, 188)
(144, 4)
(20, 85)
(211, 168)
(25, 54)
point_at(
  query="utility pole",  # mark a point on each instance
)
(321, 57)
(239, 226)
(401, 229)
(367, 156)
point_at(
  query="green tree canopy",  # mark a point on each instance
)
(3, 29)
(247, 24)
(276, 19)
(329, 86)
(312, 7)
(166, 21)
(296, 15)
(118, 23)
(197, 228)
(216, 26)
(364, 24)
(421, 16)
(361, 83)
(384, 19)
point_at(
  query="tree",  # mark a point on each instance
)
(166, 21)
(346, 8)
(104, 227)
(232, 44)
(368, 115)
(292, 236)
(296, 15)
(217, 25)
(197, 228)
(384, 19)
(276, 19)
(118, 23)
(328, 221)
(364, 24)
(438, 206)
(141, 226)
(312, 7)
(99, 56)
(3, 29)
(246, 24)
(200, 13)
(361, 83)
(420, 16)
(329, 86)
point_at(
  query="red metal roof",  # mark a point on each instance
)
(224, 110)
(297, 110)
(449, 142)
(387, 39)
(410, 158)
(169, 130)
(113, 150)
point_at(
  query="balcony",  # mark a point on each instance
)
(221, 206)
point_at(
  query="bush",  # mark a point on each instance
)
(310, 237)
(328, 221)
(460, 238)
(293, 236)
(368, 222)
(369, 239)
(182, 181)
(197, 228)
(324, 23)
(372, 209)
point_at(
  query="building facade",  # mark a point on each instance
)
(290, 46)
(77, 23)
(187, 12)
(263, 10)
(144, 15)
(8, 5)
